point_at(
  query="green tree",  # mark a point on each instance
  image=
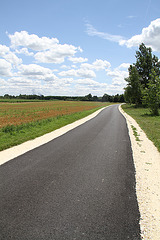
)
(152, 93)
(145, 63)
(143, 80)
(133, 93)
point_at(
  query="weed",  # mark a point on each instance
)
(135, 133)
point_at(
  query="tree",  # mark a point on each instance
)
(105, 98)
(133, 92)
(152, 93)
(143, 80)
(145, 63)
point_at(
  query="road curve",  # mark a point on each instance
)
(80, 185)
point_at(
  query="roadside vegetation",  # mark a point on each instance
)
(143, 83)
(147, 121)
(27, 120)
(142, 93)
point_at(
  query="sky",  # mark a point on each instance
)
(73, 47)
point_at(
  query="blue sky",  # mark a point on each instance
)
(73, 47)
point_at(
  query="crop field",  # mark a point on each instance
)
(23, 121)
(24, 112)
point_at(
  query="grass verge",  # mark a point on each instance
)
(13, 135)
(150, 124)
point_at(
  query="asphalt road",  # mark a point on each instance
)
(78, 186)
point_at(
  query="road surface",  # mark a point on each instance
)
(78, 186)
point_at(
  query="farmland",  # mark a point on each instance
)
(22, 121)
(19, 113)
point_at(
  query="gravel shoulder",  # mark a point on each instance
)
(147, 164)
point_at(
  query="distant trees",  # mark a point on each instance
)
(89, 97)
(113, 98)
(143, 83)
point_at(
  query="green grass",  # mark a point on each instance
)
(150, 124)
(12, 135)
(135, 133)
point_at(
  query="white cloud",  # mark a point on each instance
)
(3, 84)
(9, 56)
(124, 66)
(5, 68)
(49, 50)
(78, 60)
(96, 65)
(84, 73)
(86, 70)
(37, 72)
(118, 75)
(68, 73)
(33, 69)
(85, 86)
(56, 54)
(65, 66)
(24, 51)
(91, 31)
(31, 41)
(89, 82)
(150, 37)
(3, 50)
(23, 85)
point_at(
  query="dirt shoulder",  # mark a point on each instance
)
(147, 165)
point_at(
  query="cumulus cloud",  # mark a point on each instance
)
(89, 82)
(31, 41)
(85, 86)
(9, 56)
(86, 70)
(124, 66)
(118, 75)
(56, 54)
(49, 50)
(78, 60)
(5, 68)
(37, 72)
(150, 37)
(78, 73)
(18, 85)
(85, 73)
(96, 65)
(24, 51)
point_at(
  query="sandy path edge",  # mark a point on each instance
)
(147, 166)
(13, 152)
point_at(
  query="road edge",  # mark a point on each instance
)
(146, 159)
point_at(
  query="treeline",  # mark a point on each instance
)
(143, 83)
(89, 97)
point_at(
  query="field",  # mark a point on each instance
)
(150, 124)
(19, 113)
(22, 121)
